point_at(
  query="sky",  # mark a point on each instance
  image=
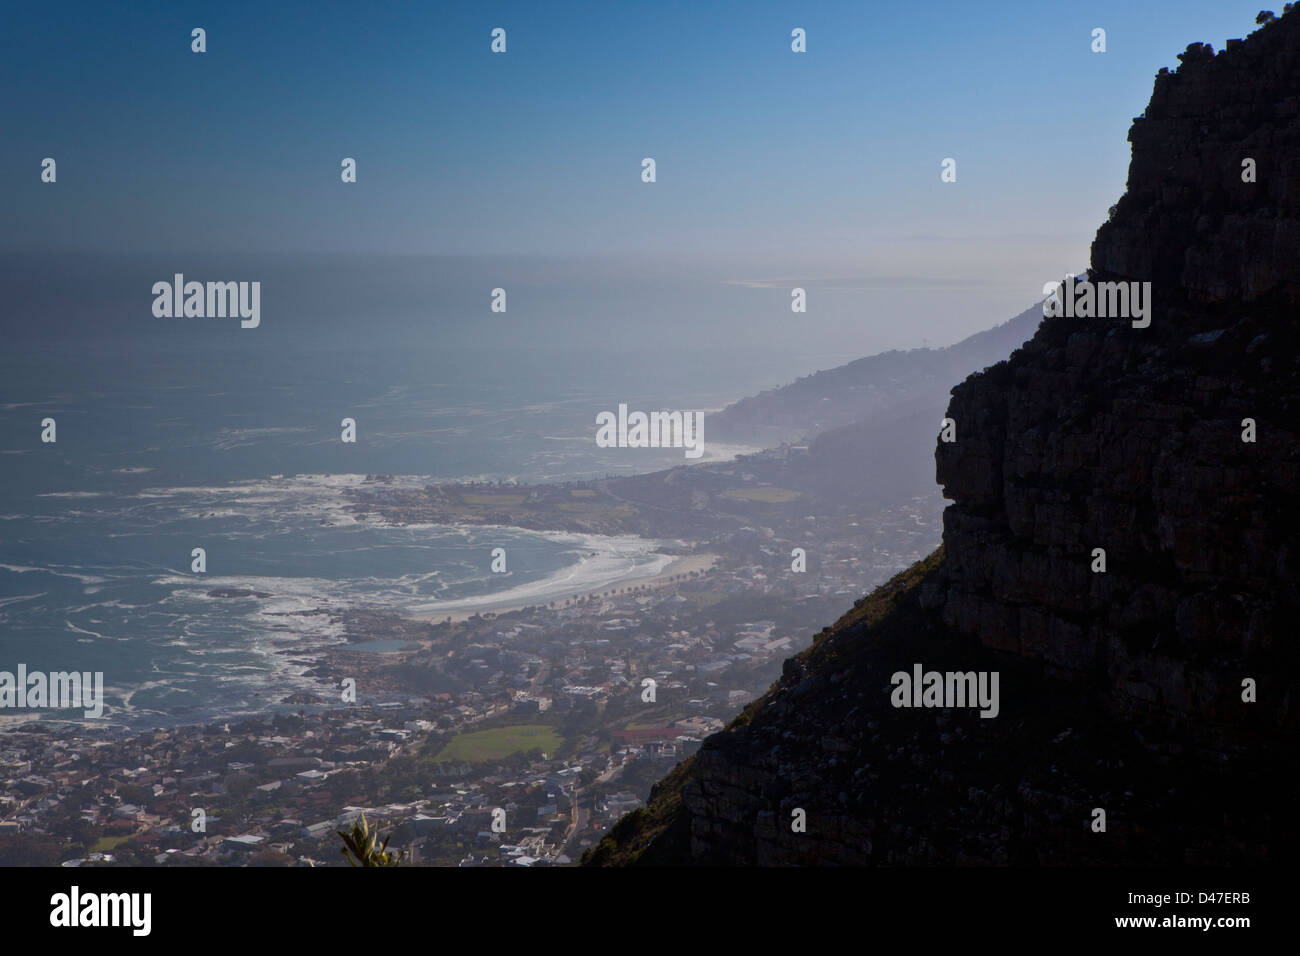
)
(823, 165)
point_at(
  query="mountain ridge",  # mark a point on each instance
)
(870, 387)
(1158, 691)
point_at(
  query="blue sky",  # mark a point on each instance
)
(826, 162)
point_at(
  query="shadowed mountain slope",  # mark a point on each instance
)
(1162, 690)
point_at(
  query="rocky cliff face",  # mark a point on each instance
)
(1189, 220)
(1121, 689)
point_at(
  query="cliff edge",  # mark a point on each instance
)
(1121, 551)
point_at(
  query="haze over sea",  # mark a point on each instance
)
(182, 433)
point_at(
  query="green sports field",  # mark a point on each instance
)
(500, 742)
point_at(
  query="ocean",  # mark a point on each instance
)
(232, 444)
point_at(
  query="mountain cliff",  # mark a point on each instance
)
(1118, 551)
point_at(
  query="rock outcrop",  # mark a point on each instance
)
(1190, 219)
(1126, 690)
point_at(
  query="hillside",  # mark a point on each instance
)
(877, 389)
(1161, 689)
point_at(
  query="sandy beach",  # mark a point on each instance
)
(457, 611)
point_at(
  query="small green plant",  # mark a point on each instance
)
(359, 846)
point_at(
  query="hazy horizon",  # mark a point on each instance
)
(774, 169)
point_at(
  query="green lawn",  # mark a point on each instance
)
(500, 742)
(667, 721)
(771, 496)
(707, 598)
(500, 501)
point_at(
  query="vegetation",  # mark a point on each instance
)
(873, 608)
(771, 496)
(500, 742)
(664, 821)
(638, 829)
(500, 501)
(359, 846)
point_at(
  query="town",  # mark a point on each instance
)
(539, 712)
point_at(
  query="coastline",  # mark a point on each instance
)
(459, 611)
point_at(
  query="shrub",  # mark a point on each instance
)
(359, 846)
